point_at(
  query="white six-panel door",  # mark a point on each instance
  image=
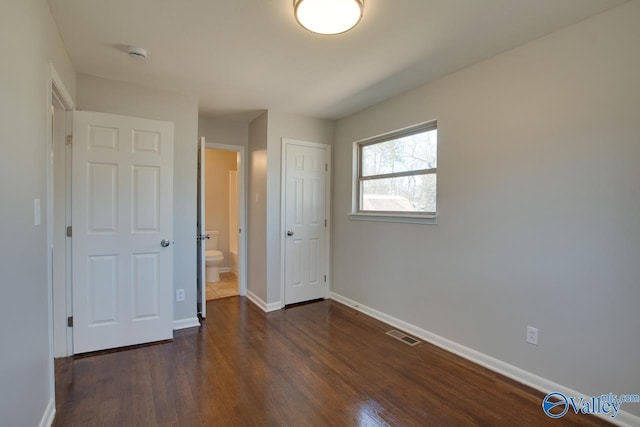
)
(305, 227)
(122, 208)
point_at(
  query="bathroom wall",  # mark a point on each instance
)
(233, 221)
(218, 164)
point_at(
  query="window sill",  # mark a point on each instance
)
(410, 219)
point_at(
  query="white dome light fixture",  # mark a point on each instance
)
(328, 16)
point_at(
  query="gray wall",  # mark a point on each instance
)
(538, 204)
(265, 145)
(223, 131)
(110, 96)
(284, 125)
(29, 40)
(257, 208)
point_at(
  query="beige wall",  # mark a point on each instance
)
(110, 96)
(538, 208)
(29, 41)
(218, 163)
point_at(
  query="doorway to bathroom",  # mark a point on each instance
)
(222, 231)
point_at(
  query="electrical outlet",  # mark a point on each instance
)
(179, 295)
(532, 335)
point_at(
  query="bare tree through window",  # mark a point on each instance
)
(397, 173)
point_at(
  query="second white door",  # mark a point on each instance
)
(305, 190)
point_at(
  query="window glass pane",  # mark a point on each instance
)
(415, 193)
(413, 152)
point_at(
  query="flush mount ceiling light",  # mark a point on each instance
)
(328, 16)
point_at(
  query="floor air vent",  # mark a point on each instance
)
(403, 337)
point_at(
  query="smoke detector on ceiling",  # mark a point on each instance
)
(137, 53)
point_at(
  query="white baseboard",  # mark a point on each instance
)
(624, 419)
(544, 385)
(186, 323)
(274, 306)
(49, 415)
(263, 305)
(257, 301)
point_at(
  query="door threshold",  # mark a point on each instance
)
(298, 304)
(118, 349)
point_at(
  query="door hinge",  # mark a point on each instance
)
(326, 167)
(325, 278)
(325, 222)
(69, 231)
(69, 139)
(70, 322)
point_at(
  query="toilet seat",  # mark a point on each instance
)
(213, 255)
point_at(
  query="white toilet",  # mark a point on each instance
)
(213, 257)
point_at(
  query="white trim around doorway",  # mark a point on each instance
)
(55, 88)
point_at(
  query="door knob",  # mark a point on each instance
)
(204, 236)
(164, 243)
(290, 233)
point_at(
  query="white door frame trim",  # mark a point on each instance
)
(327, 213)
(201, 262)
(56, 86)
(242, 210)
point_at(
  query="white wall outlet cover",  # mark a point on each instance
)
(532, 335)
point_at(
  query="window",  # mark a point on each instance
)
(396, 174)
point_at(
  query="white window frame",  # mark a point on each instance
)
(409, 217)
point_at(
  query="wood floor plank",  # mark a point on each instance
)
(312, 365)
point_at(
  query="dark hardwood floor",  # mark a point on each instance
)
(313, 365)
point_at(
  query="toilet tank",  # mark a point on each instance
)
(212, 242)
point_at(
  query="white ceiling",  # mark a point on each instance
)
(242, 56)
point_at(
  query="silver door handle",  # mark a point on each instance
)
(290, 233)
(204, 236)
(164, 243)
